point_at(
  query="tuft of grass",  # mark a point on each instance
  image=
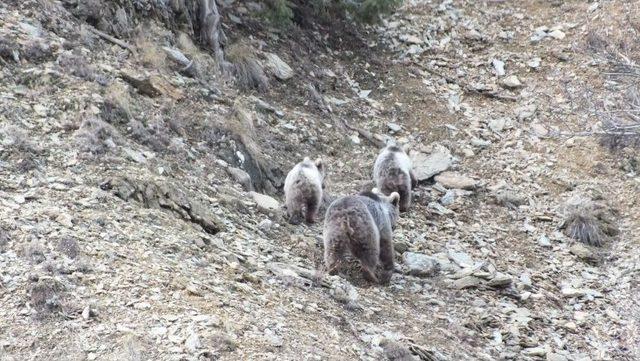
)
(117, 106)
(46, 296)
(248, 71)
(151, 55)
(96, 136)
(589, 222)
(69, 246)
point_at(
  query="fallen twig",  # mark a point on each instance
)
(113, 40)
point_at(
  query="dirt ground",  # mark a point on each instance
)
(127, 232)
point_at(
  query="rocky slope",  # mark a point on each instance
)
(140, 205)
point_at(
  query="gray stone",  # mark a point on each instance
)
(497, 124)
(243, 178)
(498, 66)
(512, 82)
(421, 264)
(467, 282)
(278, 67)
(456, 181)
(426, 166)
(500, 280)
(462, 259)
(264, 202)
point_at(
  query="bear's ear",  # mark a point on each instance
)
(406, 148)
(375, 191)
(306, 160)
(394, 198)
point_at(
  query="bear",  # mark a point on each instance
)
(362, 224)
(303, 190)
(393, 172)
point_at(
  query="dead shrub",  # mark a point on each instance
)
(96, 136)
(37, 52)
(150, 54)
(248, 71)
(77, 65)
(117, 105)
(8, 50)
(69, 247)
(589, 222)
(46, 297)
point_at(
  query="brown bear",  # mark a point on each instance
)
(363, 225)
(393, 172)
(303, 189)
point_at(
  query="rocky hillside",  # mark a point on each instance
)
(141, 190)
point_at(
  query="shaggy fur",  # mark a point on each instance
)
(303, 189)
(363, 225)
(393, 172)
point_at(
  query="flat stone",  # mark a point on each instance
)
(278, 67)
(534, 351)
(420, 264)
(467, 282)
(426, 166)
(462, 259)
(512, 82)
(455, 180)
(264, 202)
(498, 66)
(500, 280)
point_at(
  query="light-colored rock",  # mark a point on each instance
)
(498, 66)
(421, 264)
(426, 166)
(264, 202)
(500, 280)
(512, 82)
(456, 181)
(467, 282)
(278, 67)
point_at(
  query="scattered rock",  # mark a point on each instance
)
(456, 181)
(512, 82)
(426, 166)
(264, 202)
(498, 66)
(467, 282)
(500, 280)
(421, 265)
(278, 67)
(242, 177)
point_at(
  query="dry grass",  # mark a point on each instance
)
(151, 55)
(96, 136)
(46, 297)
(117, 107)
(589, 222)
(248, 71)
(69, 246)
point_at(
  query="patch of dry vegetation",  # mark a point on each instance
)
(589, 222)
(248, 71)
